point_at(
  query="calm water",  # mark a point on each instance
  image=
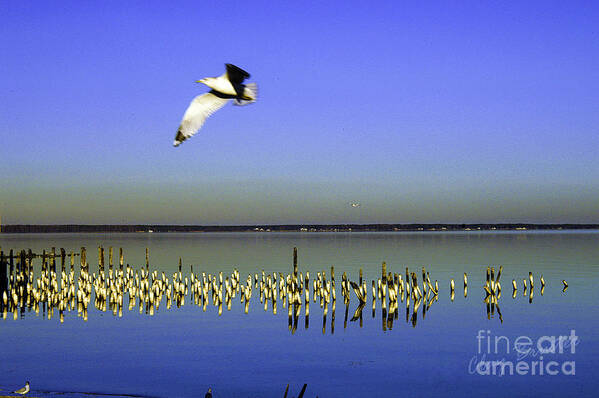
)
(182, 351)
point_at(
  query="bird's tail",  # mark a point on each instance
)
(179, 138)
(250, 95)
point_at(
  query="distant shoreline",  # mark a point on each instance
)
(148, 228)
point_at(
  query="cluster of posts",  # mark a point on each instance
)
(147, 289)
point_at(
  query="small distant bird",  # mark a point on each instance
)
(355, 204)
(229, 86)
(209, 393)
(565, 283)
(23, 390)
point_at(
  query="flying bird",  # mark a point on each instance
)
(23, 390)
(224, 88)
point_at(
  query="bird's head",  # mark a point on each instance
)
(207, 81)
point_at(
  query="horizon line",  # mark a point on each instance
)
(339, 227)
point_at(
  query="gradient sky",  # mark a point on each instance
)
(437, 112)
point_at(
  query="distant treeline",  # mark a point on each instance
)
(288, 228)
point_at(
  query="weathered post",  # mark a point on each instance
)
(53, 263)
(83, 259)
(360, 277)
(333, 285)
(63, 255)
(3, 274)
(10, 262)
(295, 262)
(121, 258)
(101, 258)
(24, 267)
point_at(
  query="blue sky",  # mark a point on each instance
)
(436, 112)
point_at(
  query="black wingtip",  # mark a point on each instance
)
(236, 74)
(179, 138)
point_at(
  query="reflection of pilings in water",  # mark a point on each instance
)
(392, 308)
(296, 312)
(333, 317)
(373, 298)
(357, 313)
(415, 312)
(64, 290)
(345, 316)
(324, 318)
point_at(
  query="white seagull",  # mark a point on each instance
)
(229, 86)
(23, 390)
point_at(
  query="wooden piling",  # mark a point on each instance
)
(24, 265)
(3, 274)
(121, 258)
(83, 258)
(147, 258)
(307, 290)
(295, 262)
(53, 259)
(384, 273)
(101, 257)
(532, 285)
(63, 255)
(110, 257)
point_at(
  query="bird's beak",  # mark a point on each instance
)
(200, 81)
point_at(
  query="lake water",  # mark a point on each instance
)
(180, 352)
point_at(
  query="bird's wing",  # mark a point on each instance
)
(235, 74)
(196, 114)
